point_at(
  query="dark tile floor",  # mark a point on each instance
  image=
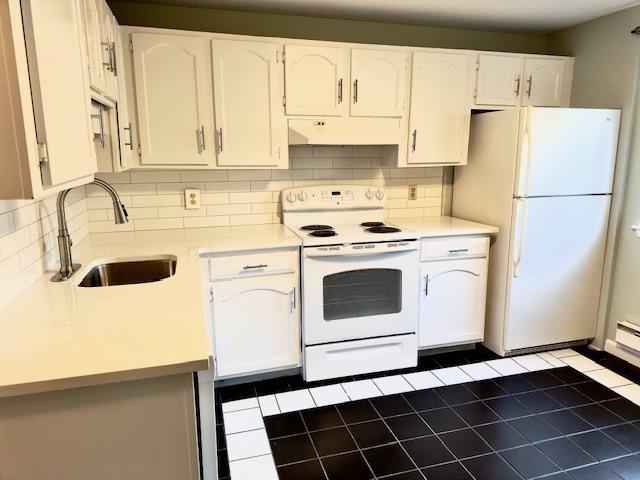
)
(555, 424)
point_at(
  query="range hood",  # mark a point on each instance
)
(346, 131)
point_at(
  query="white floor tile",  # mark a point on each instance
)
(553, 361)
(630, 392)
(328, 395)
(582, 364)
(506, 366)
(247, 444)
(608, 378)
(268, 405)
(421, 380)
(392, 384)
(294, 401)
(480, 371)
(261, 468)
(240, 404)
(242, 421)
(361, 389)
(451, 375)
(565, 352)
(533, 362)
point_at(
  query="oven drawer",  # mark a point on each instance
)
(241, 264)
(453, 247)
(360, 356)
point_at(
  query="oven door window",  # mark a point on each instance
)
(362, 293)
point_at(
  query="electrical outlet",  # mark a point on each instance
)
(191, 198)
(413, 192)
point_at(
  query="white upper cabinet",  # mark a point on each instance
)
(499, 79)
(543, 79)
(173, 95)
(110, 31)
(439, 115)
(378, 82)
(250, 121)
(96, 52)
(316, 80)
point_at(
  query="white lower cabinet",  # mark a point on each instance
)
(256, 318)
(452, 299)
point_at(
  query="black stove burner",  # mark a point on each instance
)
(322, 233)
(317, 227)
(372, 224)
(383, 229)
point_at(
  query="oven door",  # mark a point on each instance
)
(351, 296)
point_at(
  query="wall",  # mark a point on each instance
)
(294, 26)
(155, 199)
(606, 75)
(28, 244)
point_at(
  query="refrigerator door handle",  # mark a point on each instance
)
(524, 169)
(521, 230)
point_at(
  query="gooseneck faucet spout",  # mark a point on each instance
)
(67, 267)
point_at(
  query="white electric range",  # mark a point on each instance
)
(360, 281)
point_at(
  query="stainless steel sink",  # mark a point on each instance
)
(129, 272)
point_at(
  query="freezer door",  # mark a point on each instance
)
(566, 151)
(555, 269)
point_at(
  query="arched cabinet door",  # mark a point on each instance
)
(543, 81)
(500, 80)
(452, 305)
(256, 324)
(316, 80)
(173, 95)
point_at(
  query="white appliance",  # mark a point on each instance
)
(544, 176)
(360, 281)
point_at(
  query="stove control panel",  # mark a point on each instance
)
(361, 248)
(323, 197)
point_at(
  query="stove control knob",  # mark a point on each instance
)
(379, 194)
(369, 194)
(302, 196)
(291, 197)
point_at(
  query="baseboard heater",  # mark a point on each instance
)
(628, 335)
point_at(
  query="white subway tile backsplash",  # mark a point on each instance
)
(248, 197)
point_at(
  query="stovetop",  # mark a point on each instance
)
(346, 233)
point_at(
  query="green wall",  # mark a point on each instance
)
(293, 26)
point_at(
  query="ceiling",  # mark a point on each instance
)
(505, 15)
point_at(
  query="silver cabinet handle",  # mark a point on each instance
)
(340, 91)
(107, 48)
(130, 142)
(220, 146)
(517, 90)
(529, 83)
(112, 58)
(292, 300)
(101, 123)
(203, 146)
(355, 91)
(426, 285)
(459, 250)
(255, 267)
(414, 140)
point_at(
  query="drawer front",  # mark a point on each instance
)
(453, 247)
(264, 262)
(360, 356)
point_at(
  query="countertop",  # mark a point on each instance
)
(443, 226)
(57, 335)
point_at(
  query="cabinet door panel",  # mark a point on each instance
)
(440, 112)
(61, 101)
(499, 80)
(173, 95)
(248, 85)
(543, 82)
(256, 324)
(452, 302)
(109, 34)
(315, 80)
(96, 51)
(378, 83)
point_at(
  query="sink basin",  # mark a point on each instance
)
(130, 272)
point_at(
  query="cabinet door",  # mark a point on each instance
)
(499, 80)
(543, 77)
(124, 116)
(109, 41)
(96, 52)
(250, 122)
(173, 96)
(60, 89)
(378, 83)
(440, 114)
(256, 324)
(452, 302)
(316, 81)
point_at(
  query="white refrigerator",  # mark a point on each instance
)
(544, 176)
